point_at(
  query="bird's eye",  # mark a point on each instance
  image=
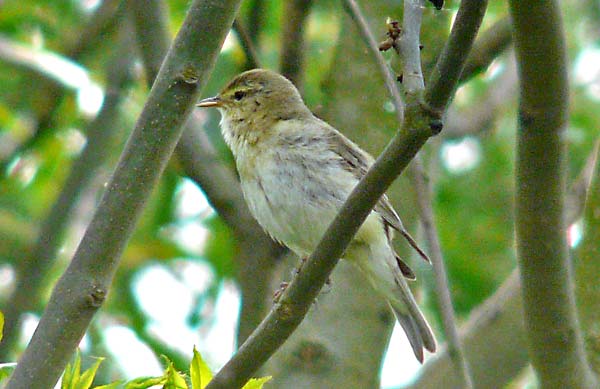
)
(239, 95)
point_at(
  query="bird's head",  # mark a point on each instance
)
(257, 98)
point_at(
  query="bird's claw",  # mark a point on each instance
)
(277, 294)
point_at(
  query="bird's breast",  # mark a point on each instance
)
(294, 194)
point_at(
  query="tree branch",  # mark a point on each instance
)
(490, 44)
(493, 339)
(444, 299)
(84, 286)
(555, 340)
(292, 40)
(479, 118)
(252, 60)
(293, 305)
(444, 77)
(413, 81)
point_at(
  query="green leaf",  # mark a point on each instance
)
(85, 380)
(174, 379)
(72, 379)
(145, 382)
(6, 370)
(256, 383)
(114, 385)
(199, 371)
(1, 325)
(71, 373)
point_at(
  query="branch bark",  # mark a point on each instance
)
(490, 44)
(84, 286)
(555, 339)
(47, 94)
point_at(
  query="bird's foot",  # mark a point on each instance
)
(277, 295)
(298, 269)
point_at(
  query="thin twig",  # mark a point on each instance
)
(444, 299)
(410, 51)
(413, 82)
(252, 60)
(388, 78)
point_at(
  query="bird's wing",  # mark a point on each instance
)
(357, 161)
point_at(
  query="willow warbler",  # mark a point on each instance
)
(296, 171)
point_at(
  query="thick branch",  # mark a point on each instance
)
(83, 287)
(556, 343)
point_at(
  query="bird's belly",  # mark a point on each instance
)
(296, 202)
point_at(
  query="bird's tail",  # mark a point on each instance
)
(382, 270)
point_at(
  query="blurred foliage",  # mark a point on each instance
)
(473, 207)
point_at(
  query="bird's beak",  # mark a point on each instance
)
(210, 102)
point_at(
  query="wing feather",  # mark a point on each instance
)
(357, 161)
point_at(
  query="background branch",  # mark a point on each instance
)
(293, 22)
(245, 39)
(83, 287)
(490, 44)
(100, 134)
(478, 118)
(555, 339)
(47, 94)
(494, 337)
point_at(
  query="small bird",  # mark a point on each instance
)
(296, 171)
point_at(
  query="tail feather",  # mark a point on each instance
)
(380, 266)
(412, 332)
